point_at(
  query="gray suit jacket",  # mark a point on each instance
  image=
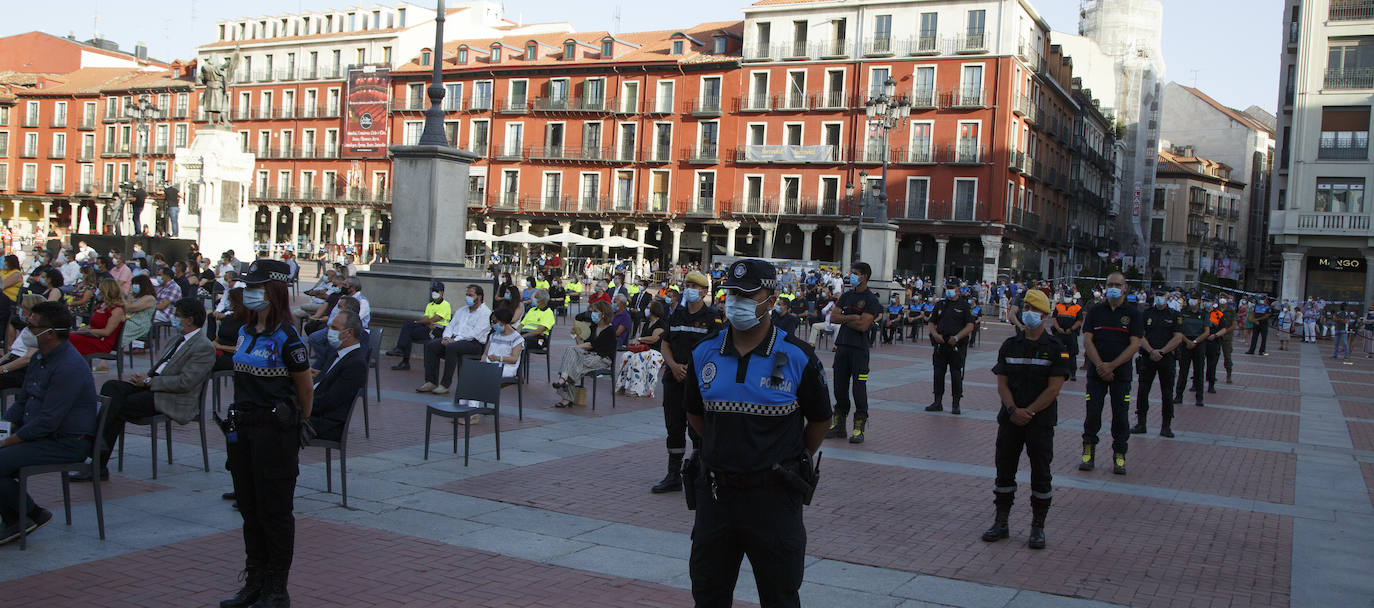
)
(176, 391)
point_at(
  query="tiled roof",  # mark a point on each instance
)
(777, 2)
(654, 46)
(91, 81)
(1192, 165)
(1232, 113)
(229, 44)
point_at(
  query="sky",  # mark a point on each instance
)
(1228, 48)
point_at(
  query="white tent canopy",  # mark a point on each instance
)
(620, 241)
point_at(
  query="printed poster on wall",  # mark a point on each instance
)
(366, 128)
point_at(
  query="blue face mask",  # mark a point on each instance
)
(333, 337)
(1160, 301)
(596, 317)
(853, 280)
(497, 327)
(691, 296)
(176, 324)
(949, 294)
(742, 312)
(469, 301)
(1113, 293)
(254, 299)
(1031, 318)
(134, 291)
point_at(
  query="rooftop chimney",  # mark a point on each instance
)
(141, 50)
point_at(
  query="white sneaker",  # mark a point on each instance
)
(440, 390)
(425, 388)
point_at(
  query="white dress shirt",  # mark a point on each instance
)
(468, 324)
(337, 358)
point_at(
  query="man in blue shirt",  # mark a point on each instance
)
(1260, 317)
(52, 419)
(854, 313)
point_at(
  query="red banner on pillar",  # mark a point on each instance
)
(366, 128)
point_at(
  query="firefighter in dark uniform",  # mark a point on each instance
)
(690, 322)
(1031, 368)
(1222, 322)
(757, 396)
(272, 394)
(853, 313)
(950, 325)
(1163, 334)
(1111, 335)
(1068, 321)
(1195, 332)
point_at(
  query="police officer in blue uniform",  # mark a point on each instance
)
(757, 396)
(1163, 335)
(1031, 369)
(272, 394)
(854, 313)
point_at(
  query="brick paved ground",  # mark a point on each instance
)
(1265, 498)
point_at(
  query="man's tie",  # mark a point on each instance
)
(171, 351)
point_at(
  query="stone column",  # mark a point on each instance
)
(524, 247)
(295, 225)
(768, 232)
(846, 246)
(1368, 275)
(677, 228)
(99, 218)
(339, 230)
(807, 230)
(47, 217)
(992, 250)
(274, 213)
(315, 226)
(74, 217)
(1292, 281)
(367, 236)
(605, 232)
(640, 231)
(731, 226)
(491, 229)
(941, 243)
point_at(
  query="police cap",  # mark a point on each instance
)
(749, 276)
(265, 270)
(436, 286)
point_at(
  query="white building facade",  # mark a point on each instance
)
(1320, 218)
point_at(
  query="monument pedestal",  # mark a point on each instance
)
(429, 218)
(878, 248)
(213, 175)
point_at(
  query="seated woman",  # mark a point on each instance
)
(51, 284)
(226, 340)
(639, 371)
(12, 366)
(504, 344)
(584, 356)
(85, 293)
(106, 319)
(142, 304)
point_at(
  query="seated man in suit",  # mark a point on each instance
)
(171, 387)
(52, 420)
(338, 384)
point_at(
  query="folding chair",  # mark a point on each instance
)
(342, 446)
(153, 421)
(477, 381)
(608, 372)
(82, 468)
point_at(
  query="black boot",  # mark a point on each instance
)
(274, 591)
(1139, 427)
(403, 365)
(836, 428)
(1212, 387)
(672, 482)
(253, 577)
(999, 529)
(938, 406)
(1089, 455)
(1040, 507)
(1165, 431)
(858, 435)
(955, 409)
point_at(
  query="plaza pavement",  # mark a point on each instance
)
(1265, 498)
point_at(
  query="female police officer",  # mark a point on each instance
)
(272, 394)
(758, 398)
(1031, 368)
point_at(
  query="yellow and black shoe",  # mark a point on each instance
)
(836, 428)
(1088, 453)
(858, 435)
(1119, 463)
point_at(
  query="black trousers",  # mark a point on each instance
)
(1098, 391)
(1147, 369)
(1195, 360)
(949, 357)
(451, 354)
(1038, 442)
(1259, 335)
(412, 332)
(675, 417)
(763, 523)
(127, 402)
(1213, 354)
(264, 464)
(851, 364)
(1070, 340)
(137, 218)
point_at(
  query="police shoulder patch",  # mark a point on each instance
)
(1125, 320)
(708, 372)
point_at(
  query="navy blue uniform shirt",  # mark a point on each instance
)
(1029, 365)
(855, 302)
(58, 397)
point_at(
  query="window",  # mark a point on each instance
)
(607, 48)
(160, 139)
(756, 134)
(796, 89)
(553, 189)
(1339, 195)
(799, 31)
(929, 27)
(591, 139)
(626, 141)
(481, 95)
(4, 143)
(792, 134)
(965, 197)
(510, 187)
(591, 191)
(721, 45)
(31, 145)
(977, 22)
(629, 96)
(664, 102)
(677, 47)
(830, 195)
(496, 54)
(453, 96)
(413, 128)
(515, 139)
(569, 50)
(477, 136)
(5, 115)
(1350, 63)
(923, 89)
(763, 33)
(415, 95)
(758, 91)
(834, 89)
(830, 136)
(709, 137)
(386, 55)
(706, 191)
(877, 77)
(658, 191)
(882, 33)
(917, 197)
(31, 114)
(531, 51)
(791, 195)
(29, 179)
(518, 97)
(360, 56)
(753, 194)
(553, 139)
(663, 141)
(710, 93)
(624, 190)
(462, 55)
(1345, 133)
(59, 115)
(967, 150)
(921, 142)
(594, 93)
(971, 86)
(57, 178)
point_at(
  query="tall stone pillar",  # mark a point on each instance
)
(1293, 258)
(295, 226)
(47, 218)
(606, 232)
(992, 252)
(768, 232)
(846, 246)
(807, 231)
(315, 226)
(99, 219)
(273, 219)
(640, 231)
(676, 228)
(941, 244)
(363, 258)
(731, 227)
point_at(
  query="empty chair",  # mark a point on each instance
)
(477, 381)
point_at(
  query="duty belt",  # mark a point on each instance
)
(252, 417)
(744, 481)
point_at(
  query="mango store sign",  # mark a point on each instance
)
(1336, 264)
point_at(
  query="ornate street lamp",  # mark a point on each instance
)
(886, 112)
(141, 113)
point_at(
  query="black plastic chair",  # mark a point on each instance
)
(216, 381)
(476, 381)
(374, 356)
(548, 361)
(82, 468)
(518, 380)
(116, 354)
(606, 372)
(342, 446)
(153, 421)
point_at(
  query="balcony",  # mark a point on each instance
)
(878, 47)
(86, 155)
(830, 100)
(793, 101)
(871, 154)
(547, 153)
(706, 154)
(703, 205)
(1351, 10)
(835, 49)
(516, 105)
(87, 188)
(925, 99)
(29, 153)
(972, 43)
(181, 112)
(556, 203)
(797, 50)
(1347, 150)
(57, 153)
(923, 45)
(1018, 162)
(965, 153)
(965, 99)
(705, 107)
(661, 153)
(56, 186)
(1349, 78)
(509, 152)
(761, 52)
(755, 103)
(479, 104)
(416, 104)
(567, 104)
(1333, 223)
(31, 121)
(918, 155)
(28, 185)
(87, 124)
(59, 121)
(787, 155)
